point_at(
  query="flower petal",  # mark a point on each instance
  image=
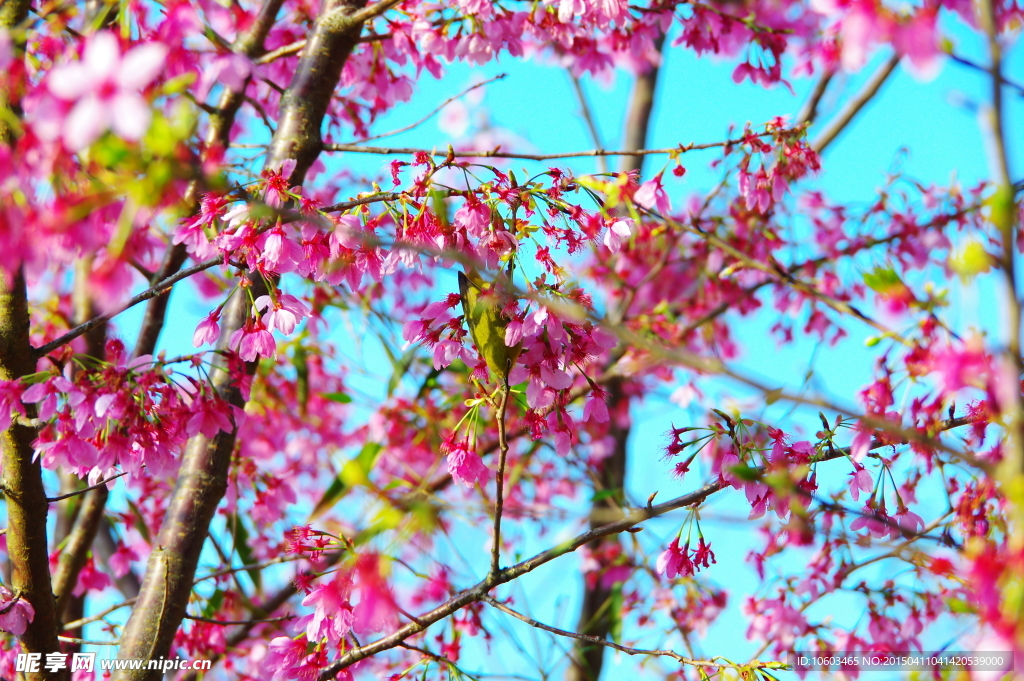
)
(87, 121)
(141, 66)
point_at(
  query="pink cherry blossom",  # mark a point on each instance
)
(332, 617)
(207, 331)
(122, 559)
(675, 560)
(651, 195)
(282, 314)
(465, 465)
(618, 231)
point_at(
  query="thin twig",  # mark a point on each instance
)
(854, 106)
(497, 153)
(810, 111)
(98, 616)
(588, 118)
(252, 566)
(284, 51)
(86, 642)
(984, 69)
(101, 483)
(713, 662)
(432, 113)
(151, 292)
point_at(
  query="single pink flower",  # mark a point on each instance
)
(121, 560)
(651, 195)
(618, 231)
(208, 331)
(104, 89)
(332, 617)
(675, 560)
(465, 465)
(284, 314)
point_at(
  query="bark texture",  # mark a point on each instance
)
(27, 506)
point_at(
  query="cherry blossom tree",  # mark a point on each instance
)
(245, 503)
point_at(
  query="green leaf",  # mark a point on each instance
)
(340, 398)
(140, 523)
(241, 537)
(302, 379)
(336, 491)
(882, 280)
(354, 472)
(745, 473)
(213, 604)
(615, 614)
(957, 605)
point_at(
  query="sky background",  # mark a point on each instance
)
(929, 129)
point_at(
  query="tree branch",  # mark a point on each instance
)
(101, 483)
(27, 507)
(714, 662)
(497, 153)
(430, 115)
(588, 119)
(480, 591)
(853, 107)
(73, 557)
(596, 617)
(809, 113)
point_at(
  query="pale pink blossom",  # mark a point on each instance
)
(332, 616)
(282, 314)
(651, 195)
(230, 70)
(207, 331)
(377, 608)
(103, 88)
(618, 231)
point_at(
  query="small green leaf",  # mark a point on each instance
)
(140, 523)
(241, 537)
(213, 604)
(335, 492)
(615, 614)
(882, 280)
(746, 473)
(340, 398)
(957, 605)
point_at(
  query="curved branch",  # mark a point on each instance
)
(853, 107)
